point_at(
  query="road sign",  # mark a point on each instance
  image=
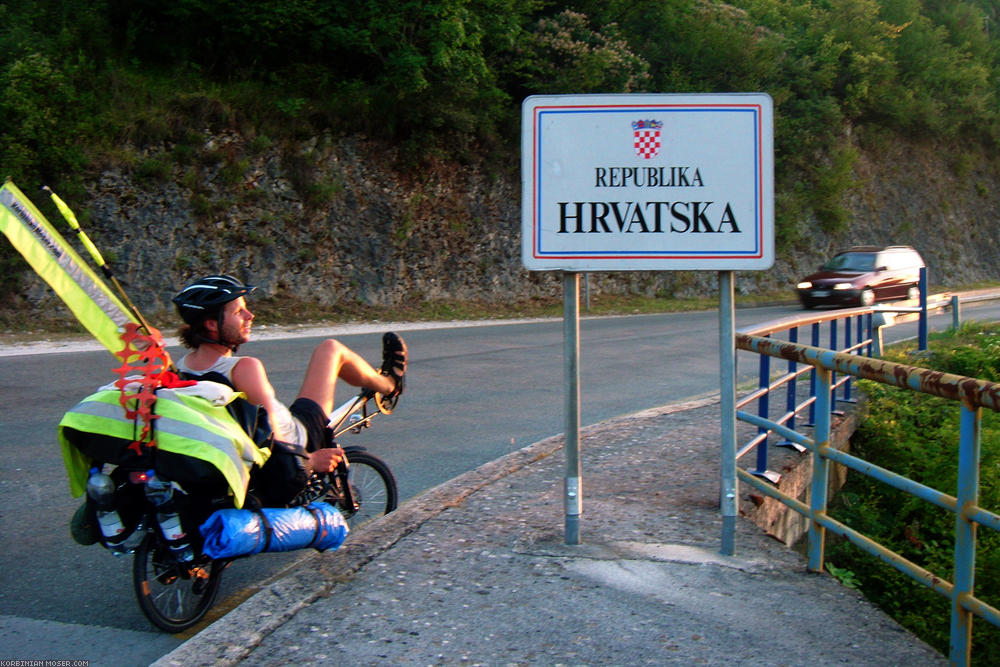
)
(647, 182)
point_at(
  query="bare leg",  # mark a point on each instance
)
(332, 359)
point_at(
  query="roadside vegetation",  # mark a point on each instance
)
(19, 326)
(916, 435)
(93, 84)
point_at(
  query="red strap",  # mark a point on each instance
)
(144, 370)
(171, 380)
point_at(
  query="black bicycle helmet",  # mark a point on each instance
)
(206, 296)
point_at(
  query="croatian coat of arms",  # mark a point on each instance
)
(646, 137)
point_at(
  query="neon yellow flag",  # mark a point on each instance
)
(74, 281)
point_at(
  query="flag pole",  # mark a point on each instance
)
(74, 224)
(70, 217)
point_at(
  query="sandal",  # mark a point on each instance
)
(394, 361)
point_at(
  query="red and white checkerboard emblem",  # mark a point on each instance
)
(646, 137)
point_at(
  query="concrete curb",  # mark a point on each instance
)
(232, 638)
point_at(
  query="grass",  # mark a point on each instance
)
(18, 325)
(427, 311)
(916, 435)
(23, 325)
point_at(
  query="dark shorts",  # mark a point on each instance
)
(313, 419)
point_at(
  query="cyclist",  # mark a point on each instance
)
(217, 321)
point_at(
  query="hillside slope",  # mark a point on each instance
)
(367, 234)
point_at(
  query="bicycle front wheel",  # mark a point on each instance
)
(173, 596)
(373, 488)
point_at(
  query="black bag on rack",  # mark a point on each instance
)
(283, 475)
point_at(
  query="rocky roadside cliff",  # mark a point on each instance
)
(330, 221)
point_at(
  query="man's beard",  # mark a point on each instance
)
(233, 336)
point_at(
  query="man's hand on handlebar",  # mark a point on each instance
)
(325, 460)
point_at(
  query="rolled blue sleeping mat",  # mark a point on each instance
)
(230, 533)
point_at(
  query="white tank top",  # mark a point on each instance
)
(286, 427)
(222, 365)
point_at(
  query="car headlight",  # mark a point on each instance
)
(804, 285)
(843, 286)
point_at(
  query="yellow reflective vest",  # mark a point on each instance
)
(193, 421)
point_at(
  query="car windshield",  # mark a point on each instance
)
(852, 261)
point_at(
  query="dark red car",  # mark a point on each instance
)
(863, 275)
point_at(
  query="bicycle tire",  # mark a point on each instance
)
(372, 484)
(173, 596)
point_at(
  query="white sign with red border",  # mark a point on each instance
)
(647, 182)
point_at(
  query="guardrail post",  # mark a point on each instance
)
(821, 466)
(763, 410)
(965, 534)
(812, 376)
(833, 376)
(847, 345)
(792, 393)
(956, 316)
(871, 330)
(922, 328)
(878, 341)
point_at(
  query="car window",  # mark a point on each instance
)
(901, 260)
(851, 261)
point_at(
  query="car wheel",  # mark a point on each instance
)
(913, 293)
(867, 297)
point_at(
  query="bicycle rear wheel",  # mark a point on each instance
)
(173, 596)
(372, 485)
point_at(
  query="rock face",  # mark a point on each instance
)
(330, 222)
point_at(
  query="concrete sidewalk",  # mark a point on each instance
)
(476, 571)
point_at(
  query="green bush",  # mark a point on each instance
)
(563, 54)
(916, 435)
(40, 115)
(445, 77)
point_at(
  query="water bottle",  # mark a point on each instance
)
(101, 490)
(132, 542)
(158, 490)
(160, 493)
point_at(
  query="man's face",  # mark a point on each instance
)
(236, 322)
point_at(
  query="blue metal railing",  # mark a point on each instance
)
(973, 396)
(862, 334)
(858, 337)
(831, 372)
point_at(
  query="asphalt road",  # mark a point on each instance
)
(474, 393)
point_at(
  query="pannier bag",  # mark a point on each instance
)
(230, 533)
(284, 474)
(198, 442)
(282, 478)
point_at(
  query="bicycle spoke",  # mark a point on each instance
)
(173, 596)
(373, 488)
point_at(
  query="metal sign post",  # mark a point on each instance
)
(571, 337)
(643, 183)
(728, 487)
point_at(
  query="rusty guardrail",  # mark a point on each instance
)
(849, 357)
